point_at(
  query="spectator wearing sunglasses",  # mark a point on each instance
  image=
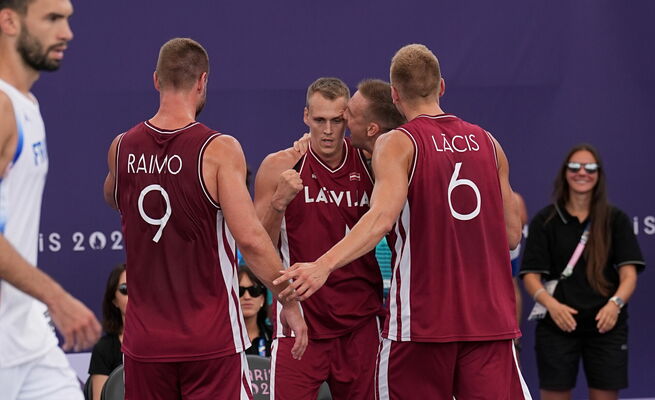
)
(252, 297)
(587, 312)
(107, 355)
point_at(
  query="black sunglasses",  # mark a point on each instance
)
(254, 291)
(123, 288)
(591, 167)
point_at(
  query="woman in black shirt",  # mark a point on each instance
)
(586, 318)
(252, 296)
(106, 355)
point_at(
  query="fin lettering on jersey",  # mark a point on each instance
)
(458, 143)
(151, 164)
(39, 152)
(341, 197)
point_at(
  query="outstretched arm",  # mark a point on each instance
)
(391, 163)
(225, 157)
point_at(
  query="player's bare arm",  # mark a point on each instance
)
(76, 322)
(392, 159)
(8, 135)
(511, 211)
(276, 185)
(110, 180)
(224, 174)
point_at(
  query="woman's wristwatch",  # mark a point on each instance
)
(618, 301)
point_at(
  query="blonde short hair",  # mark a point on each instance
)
(415, 72)
(330, 88)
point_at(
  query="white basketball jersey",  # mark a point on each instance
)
(25, 332)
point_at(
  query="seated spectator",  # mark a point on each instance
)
(106, 355)
(252, 296)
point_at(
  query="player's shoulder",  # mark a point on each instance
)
(6, 114)
(393, 138)
(6, 106)
(283, 159)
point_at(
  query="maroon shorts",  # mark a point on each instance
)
(218, 378)
(439, 371)
(346, 363)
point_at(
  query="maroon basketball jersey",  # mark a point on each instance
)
(450, 278)
(331, 202)
(181, 261)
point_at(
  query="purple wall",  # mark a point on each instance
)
(541, 76)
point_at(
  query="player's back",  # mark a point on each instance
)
(181, 261)
(451, 280)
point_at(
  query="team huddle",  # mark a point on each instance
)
(434, 185)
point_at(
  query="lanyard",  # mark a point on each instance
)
(576, 254)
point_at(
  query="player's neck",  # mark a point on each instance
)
(14, 71)
(579, 204)
(414, 110)
(175, 111)
(332, 160)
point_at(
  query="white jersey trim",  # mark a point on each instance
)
(402, 267)
(382, 378)
(524, 386)
(246, 392)
(286, 261)
(149, 125)
(414, 161)
(440, 116)
(228, 270)
(493, 146)
(200, 179)
(118, 150)
(345, 158)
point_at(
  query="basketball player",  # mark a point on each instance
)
(442, 188)
(180, 189)
(309, 202)
(33, 37)
(370, 113)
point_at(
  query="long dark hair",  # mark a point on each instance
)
(262, 314)
(597, 249)
(112, 321)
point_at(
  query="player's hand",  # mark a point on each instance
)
(607, 317)
(288, 186)
(307, 279)
(302, 145)
(291, 317)
(562, 315)
(77, 324)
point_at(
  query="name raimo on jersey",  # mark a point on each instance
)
(151, 164)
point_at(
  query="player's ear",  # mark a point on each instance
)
(442, 87)
(373, 129)
(155, 80)
(305, 116)
(202, 81)
(9, 22)
(395, 97)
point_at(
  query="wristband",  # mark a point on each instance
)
(537, 293)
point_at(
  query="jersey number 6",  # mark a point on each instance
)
(454, 182)
(159, 222)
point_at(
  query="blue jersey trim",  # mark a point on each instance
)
(19, 147)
